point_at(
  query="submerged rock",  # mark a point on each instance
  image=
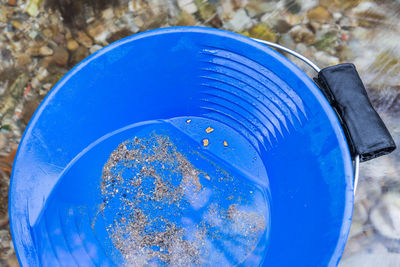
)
(45, 51)
(372, 260)
(239, 22)
(99, 32)
(188, 6)
(320, 13)
(369, 14)
(32, 7)
(60, 56)
(95, 48)
(84, 39)
(206, 10)
(185, 19)
(386, 216)
(301, 34)
(261, 31)
(325, 60)
(72, 45)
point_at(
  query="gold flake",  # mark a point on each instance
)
(205, 142)
(209, 130)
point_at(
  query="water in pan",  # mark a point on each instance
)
(161, 209)
(165, 196)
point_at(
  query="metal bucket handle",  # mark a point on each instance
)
(340, 93)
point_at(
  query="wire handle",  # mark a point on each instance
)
(356, 160)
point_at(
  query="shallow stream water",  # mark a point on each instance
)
(38, 46)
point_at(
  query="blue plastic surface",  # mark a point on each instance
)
(273, 133)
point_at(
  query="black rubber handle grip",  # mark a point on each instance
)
(366, 133)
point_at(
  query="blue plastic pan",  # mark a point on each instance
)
(183, 147)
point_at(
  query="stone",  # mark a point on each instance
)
(325, 60)
(136, 6)
(293, 6)
(33, 34)
(156, 6)
(188, 6)
(59, 38)
(128, 21)
(46, 61)
(107, 14)
(320, 13)
(17, 88)
(55, 74)
(12, 2)
(98, 32)
(287, 40)
(32, 7)
(47, 86)
(72, 45)
(9, 103)
(6, 248)
(29, 109)
(391, 245)
(239, 22)
(185, 19)
(368, 192)
(301, 34)
(6, 55)
(326, 40)
(43, 92)
(45, 51)
(42, 74)
(206, 10)
(240, 3)
(84, 39)
(369, 14)
(12, 261)
(3, 13)
(119, 35)
(339, 4)
(360, 213)
(226, 9)
(16, 24)
(35, 83)
(307, 4)
(3, 141)
(337, 16)
(385, 216)
(355, 229)
(68, 35)
(95, 48)
(60, 56)
(255, 9)
(282, 26)
(262, 31)
(301, 48)
(157, 21)
(382, 169)
(371, 260)
(47, 32)
(33, 51)
(78, 55)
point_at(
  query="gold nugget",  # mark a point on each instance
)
(225, 143)
(205, 142)
(209, 130)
